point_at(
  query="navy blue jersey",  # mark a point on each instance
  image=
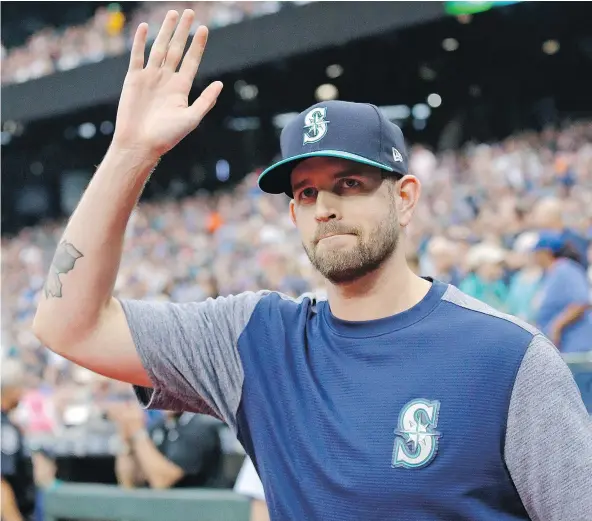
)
(444, 411)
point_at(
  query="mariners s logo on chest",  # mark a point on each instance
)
(416, 438)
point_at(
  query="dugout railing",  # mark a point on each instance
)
(111, 503)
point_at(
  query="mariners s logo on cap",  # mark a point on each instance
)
(316, 125)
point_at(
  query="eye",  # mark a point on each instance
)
(350, 183)
(307, 193)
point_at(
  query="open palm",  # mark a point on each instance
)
(154, 114)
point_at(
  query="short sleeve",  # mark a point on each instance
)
(190, 352)
(548, 447)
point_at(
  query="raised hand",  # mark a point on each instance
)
(154, 114)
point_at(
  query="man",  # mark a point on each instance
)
(547, 216)
(563, 312)
(397, 398)
(248, 484)
(18, 486)
(444, 258)
(181, 450)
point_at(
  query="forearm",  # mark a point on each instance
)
(9, 508)
(126, 470)
(159, 471)
(83, 273)
(571, 314)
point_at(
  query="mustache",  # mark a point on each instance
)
(333, 228)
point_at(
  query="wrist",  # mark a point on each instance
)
(135, 154)
(138, 435)
(125, 449)
(140, 163)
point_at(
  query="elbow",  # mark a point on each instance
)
(43, 331)
(57, 334)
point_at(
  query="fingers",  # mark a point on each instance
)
(161, 44)
(193, 56)
(202, 105)
(177, 45)
(138, 48)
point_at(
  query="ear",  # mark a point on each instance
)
(409, 193)
(293, 211)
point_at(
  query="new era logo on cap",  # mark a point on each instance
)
(397, 157)
(354, 131)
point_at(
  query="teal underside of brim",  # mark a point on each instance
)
(281, 185)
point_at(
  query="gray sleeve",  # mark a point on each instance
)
(548, 448)
(190, 352)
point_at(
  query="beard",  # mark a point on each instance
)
(342, 266)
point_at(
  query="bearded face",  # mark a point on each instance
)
(351, 252)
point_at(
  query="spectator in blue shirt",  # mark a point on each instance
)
(564, 313)
(548, 217)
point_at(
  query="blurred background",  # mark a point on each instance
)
(494, 101)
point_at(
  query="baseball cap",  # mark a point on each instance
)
(355, 131)
(549, 240)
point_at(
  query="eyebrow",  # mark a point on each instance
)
(348, 172)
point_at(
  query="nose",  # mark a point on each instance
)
(327, 207)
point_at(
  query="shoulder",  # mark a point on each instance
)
(569, 268)
(277, 315)
(276, 302)
(470, 313)
(249, 301)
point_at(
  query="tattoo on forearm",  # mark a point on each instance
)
(64, 259)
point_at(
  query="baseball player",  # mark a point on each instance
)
(397, 397)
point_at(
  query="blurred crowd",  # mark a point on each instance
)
(110, 33)
(482, 211)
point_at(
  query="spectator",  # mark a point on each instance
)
(107, 33)
(443, 256)
(548, 216)
(18, 486)
(180, 450)
(248, 484)
(525, 282)
(564, 313)
(485, 282)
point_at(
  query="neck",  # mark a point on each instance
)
(391, 289)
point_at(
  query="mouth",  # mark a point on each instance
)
(332, 235)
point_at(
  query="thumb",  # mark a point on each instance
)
(202, 105)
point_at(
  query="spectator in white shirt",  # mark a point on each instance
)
(248, 484)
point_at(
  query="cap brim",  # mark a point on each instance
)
(276, 178)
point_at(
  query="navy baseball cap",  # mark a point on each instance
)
(355, 131)
(550, 240)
